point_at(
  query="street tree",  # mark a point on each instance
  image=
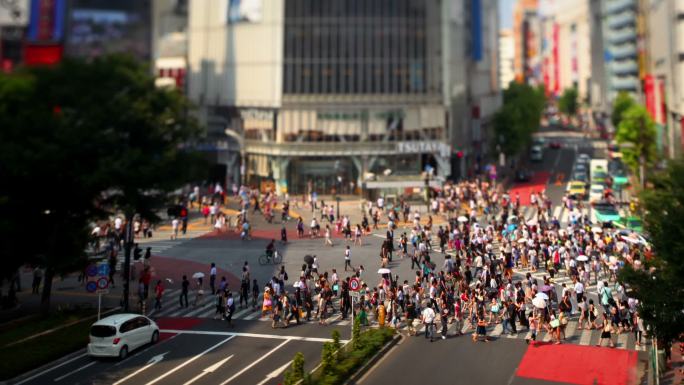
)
(568, 102)
(636, 135)
(659, 285)
(518, 118)
(622, 103)
(80, 141)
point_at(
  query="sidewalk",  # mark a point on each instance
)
(675, 375)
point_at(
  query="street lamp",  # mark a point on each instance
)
(337, 196)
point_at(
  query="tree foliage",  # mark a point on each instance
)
(296, 371)
(568, 102)
(79, 141)
(660, 284)
(622, 103)
(518, 118)
(637, 134)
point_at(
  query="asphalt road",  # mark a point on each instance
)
(206, 353)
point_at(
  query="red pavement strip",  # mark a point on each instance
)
(168, 323)
(537, 183)
(575, 364)
(267, 235)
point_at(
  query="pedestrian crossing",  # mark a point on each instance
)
(573, 334)
(206, 308)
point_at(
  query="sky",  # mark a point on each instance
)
(506, 13)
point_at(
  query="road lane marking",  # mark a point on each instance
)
(74, 371)
(274, 373)
(189, 361)
(557, 211)
(151, 362)
(254, 335)
(51, 369)
(210, 369)
(246, 368)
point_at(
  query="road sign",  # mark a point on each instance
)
(91, 286)
(355, 294)
(102, 283)
(91, 270)
(354, 284)
(103, 269)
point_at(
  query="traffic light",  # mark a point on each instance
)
(459, 154)
(148, 253)
(137, 252)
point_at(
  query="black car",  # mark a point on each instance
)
(522, 176)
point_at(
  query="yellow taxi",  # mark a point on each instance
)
(577, 189)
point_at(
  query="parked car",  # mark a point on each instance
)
(536, 154)
(596, 193)
(555, 144)
(120, 334)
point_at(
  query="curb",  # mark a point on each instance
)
(373, 360)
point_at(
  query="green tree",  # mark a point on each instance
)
(356, 333)
(328, 358)
(636, 135)
(79, 141)
(336, 339)
(568, 102)
(518, 118)
(296, 371)
(659, 285)
(622, 103)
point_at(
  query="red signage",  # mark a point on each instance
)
(42, 54)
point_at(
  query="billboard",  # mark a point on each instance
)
(14, 13)
(98, 27)
(244, 11)
(46, 24)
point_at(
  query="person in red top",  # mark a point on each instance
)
(158, 293)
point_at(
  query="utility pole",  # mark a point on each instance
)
(128, 241)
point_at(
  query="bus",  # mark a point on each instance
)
(598, 171)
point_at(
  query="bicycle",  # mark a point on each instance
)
(275, 258)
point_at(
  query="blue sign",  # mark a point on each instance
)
(103, 269)
(91, 271)
(91, 286)
(476, 30)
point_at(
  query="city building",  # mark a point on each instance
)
(344, 95)
(170, 42)
(663, 85)
(566, 54)
(527, 37)
(506, 57)
(620, 43)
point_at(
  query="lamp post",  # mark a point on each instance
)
(427, 191)
(337, 196)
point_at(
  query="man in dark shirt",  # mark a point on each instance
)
(184, 291)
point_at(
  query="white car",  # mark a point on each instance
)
(595, 193)
(583, 158)
(536, 154)
(119, 334)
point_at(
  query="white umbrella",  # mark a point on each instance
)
(384, 271)
(522, 240)
(582, 258)
(539, 302)
(169, 280)
(297, 284)
(198, 275)
(542, 296)
(613, 259)
(596, 229)
(462, 219)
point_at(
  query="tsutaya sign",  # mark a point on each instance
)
(423, 147)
